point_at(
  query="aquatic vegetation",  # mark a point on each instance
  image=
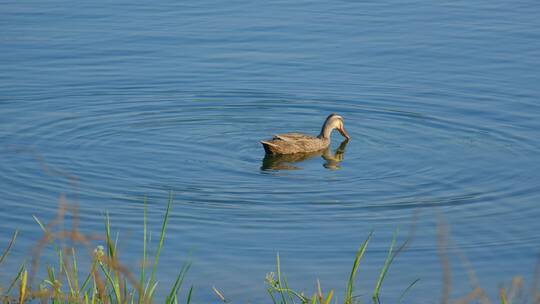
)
(280, 292)
(108, 280)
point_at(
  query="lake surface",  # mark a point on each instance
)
(109, 102)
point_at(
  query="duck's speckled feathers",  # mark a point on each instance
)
(294, 143)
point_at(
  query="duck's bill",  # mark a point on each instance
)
(344, 133)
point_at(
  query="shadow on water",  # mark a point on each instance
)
(288, 161)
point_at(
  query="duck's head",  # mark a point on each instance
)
(333, 121)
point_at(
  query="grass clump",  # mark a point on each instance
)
(280, 293)
(108, 281)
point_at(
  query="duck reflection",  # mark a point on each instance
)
(287, 161)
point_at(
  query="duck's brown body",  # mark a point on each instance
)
(291, 143)
(294, 143)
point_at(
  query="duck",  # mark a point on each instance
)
(332, 160)
(291, 143)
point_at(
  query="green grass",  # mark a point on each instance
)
(109, 281)
(280, 292)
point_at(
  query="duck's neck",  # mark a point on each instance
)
(326, 131)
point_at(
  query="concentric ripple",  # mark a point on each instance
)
(205, 149)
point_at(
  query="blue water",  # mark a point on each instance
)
(109, 102)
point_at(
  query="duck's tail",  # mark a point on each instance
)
(269, 147)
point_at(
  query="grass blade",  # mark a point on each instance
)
(143, 264)
(75, 272)
(40, 224)
(502, 293)
(280, 286)
(177, 284)
(219, 294)
(189, 295)
(161, 239)
(407, 290)
(115, 285)
(10, 244)
(384, 270)
(329, 297)
(151, 292)
(19, 273)
(87, 280)
(110, 245)
(22, 293)
(354, 270)
(271, 293)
